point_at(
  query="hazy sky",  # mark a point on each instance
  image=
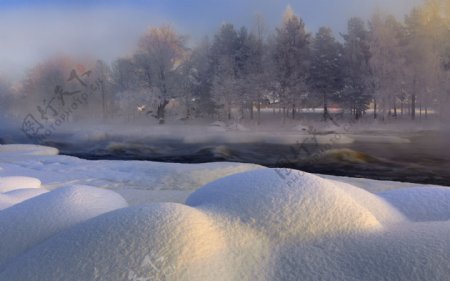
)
(32, 30)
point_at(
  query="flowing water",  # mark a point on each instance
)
(425, 159)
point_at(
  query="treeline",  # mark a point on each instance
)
(395, 67)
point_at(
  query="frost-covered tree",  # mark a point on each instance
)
(125, 85)
(423, 57)
(41, 83)
(161, 50)
(357, 85)
(224, 54)
(259, 76)
(6, 97)
(101, 73)
(290, 60)
(387, 62)
(250, 75)
(326, 65)
(429, 27)
(202, 75)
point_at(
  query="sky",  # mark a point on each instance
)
(32, 30)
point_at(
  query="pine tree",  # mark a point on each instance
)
(290, 57)
(357, 85)
(326, 65)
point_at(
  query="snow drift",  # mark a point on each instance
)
(421, 203)
(14, 197)
(26, 149)
(159, 241)
(34, 220)
(283, 203)
(261, 224)
(13, 183)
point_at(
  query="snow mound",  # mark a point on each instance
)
(264, 224)
(152, 242)
(283, 203)
(409, 252)
(421, 203)
(27, 149)
(34, 220)
(14, 197)
(13, 183)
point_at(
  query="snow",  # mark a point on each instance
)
(132, 178)
(13, 183)
(144, 241)
(26, 149)
(421, 203)
(14, 197)
(238, 222)
(34, 220)
(285, 203)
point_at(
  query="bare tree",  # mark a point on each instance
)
(161, 51)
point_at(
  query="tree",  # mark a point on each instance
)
(102, 73)
(258, 79)
(428, 30)
(224, 58)
(42, 82)
(290, 57)
(326, 66)
(160, 52)
(6, 96)
(202, 78)
(387, 62)
(125, 85)
(357, 87)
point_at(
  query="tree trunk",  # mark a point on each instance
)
(395, 109)
(293, 111)
(413, 107)
(374, 108)
(161, 111)
(259, 112)
(325, 107)
(103, 101)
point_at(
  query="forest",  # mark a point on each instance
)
(383, 68)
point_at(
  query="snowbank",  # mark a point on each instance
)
(406, 252)
(34, 220)
(14, 197)
(26, 149)
(421, 203)
(283, 203)
(13, 183)
(246, 223)
(158, 242)
(60, 170)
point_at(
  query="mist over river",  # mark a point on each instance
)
(423, 157)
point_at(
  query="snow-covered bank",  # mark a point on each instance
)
(239, 222)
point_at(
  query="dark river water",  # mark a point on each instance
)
(425, 159)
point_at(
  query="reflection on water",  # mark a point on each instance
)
(424, 160)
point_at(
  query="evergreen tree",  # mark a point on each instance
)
(290, 56)
(357, 85)
(326, 65)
